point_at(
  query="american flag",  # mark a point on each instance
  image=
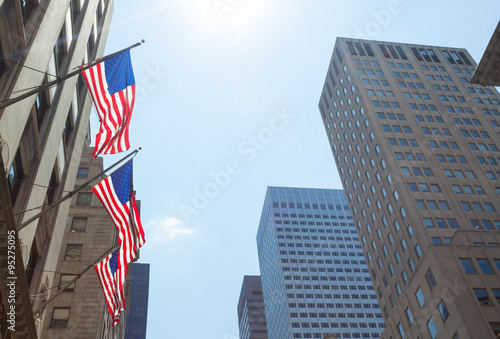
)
(112, 87)
(117, 196)
(112, 280)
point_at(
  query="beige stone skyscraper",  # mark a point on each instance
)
(41, 138)
(417, 149)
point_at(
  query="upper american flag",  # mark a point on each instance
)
(112, 280)
(117, 196)
(112, 86)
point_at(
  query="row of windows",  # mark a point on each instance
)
(320, 261)
(338, 335)
(409, 156)
(432, 205)
(310, 223)
(440, 223)
(485, 225)
(445, 88)
(476, 206)
(325, 216)
(322, 269)
(439, 78)
(483, 264)
(451, 159)
(322, 305)
(374, 82)
(405, 75)
(417, 171)
(335, 315)
(459, 174)
(308, 206)
(465, 121)
(418, 96)
(412, 85)
(483, 147)
(479, 90)
(333, 287)
(328, 278)
(325, 245)
(320, 230)
(487, 101)
(404, 142)
(380, 93)
(335, 325)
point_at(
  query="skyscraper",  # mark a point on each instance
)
(81, 311)
(41, 137)
(137, 318)
(251, 313)
(314, 276)
(417, 149)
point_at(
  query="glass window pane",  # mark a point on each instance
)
(420, 297)
(79, 224)
(467, 265)
(432, 328)
(485, 266)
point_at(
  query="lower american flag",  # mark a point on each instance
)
(112, 87)
(112, 280)
(117, 196)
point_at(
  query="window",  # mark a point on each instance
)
(482, 297)
(401, 332)
(485, 266)
(60, 317)
(73, 252)
(420, 297)
(79, 224)
(83, 199)
(430, 279)
(467, 265)
(443, 310)
(82, 172)
(432, 328)
(66, 278)
(496, 294)
(409, 315)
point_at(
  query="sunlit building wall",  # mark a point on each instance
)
(418, 152)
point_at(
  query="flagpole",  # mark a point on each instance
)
(78, 276)
(70, 194)
(64, 77)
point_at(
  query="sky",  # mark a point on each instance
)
(227, 104)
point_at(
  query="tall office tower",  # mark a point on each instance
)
(417, 149)
(314, 276)
(251, 314)
(80, 311)
(41, 137)
(137, 318)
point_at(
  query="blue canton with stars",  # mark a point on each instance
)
(119, 73)
(122, 182)
(113, 262)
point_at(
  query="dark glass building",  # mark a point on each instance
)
(137, 319)
(251, 314)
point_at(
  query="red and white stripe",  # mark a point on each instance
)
(114, 112)
(112, 286)
(126, 219)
